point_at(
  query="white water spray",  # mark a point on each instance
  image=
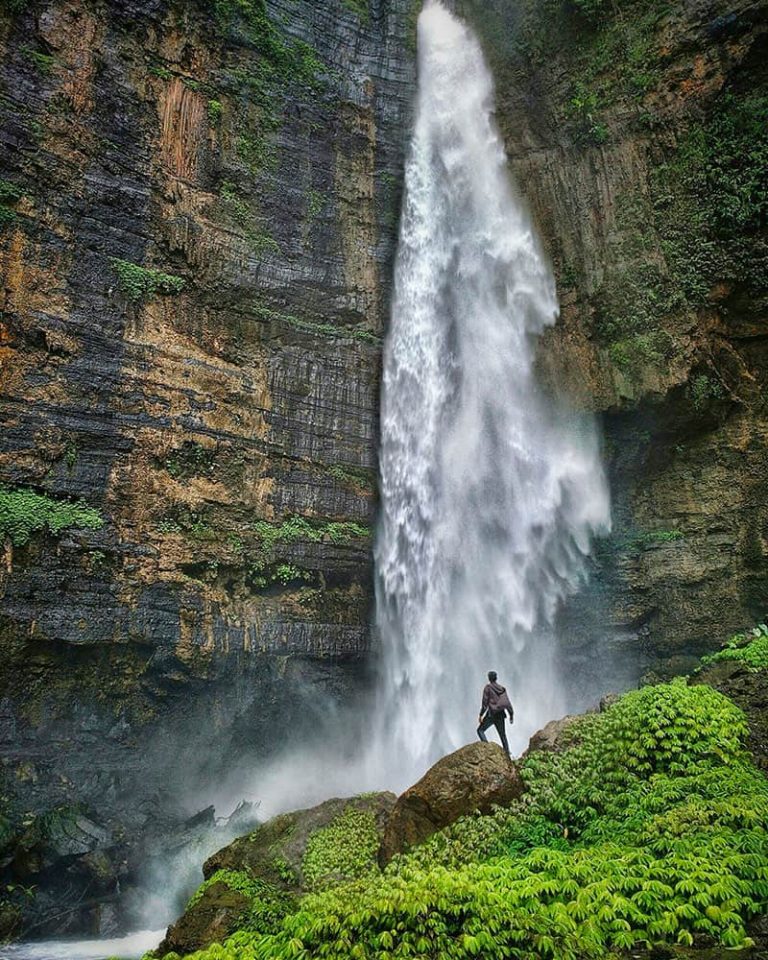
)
(489, 498)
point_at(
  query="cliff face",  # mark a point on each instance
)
(639, 133)
(199, 205)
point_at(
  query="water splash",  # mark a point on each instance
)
(489, 497)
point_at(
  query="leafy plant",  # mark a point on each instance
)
(24, 513)
(751, 649)
(344, 850)
(142, 283)
(648, 827)
(704, 389)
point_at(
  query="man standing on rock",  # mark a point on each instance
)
(493, 710)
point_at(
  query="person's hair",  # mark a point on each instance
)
(492, 676)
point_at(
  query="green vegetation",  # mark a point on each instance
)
(711, 201)
(316, 328)
(360, 8)
(649, 827)
(750, 649)
(703, 389)
(296, 528)
(24, 513)
(282, 59)
(259, 239)
(234, 879)
(182, 519)
(706, 214)
(315, 203)
(268, 906)
(189, 460)
(141, 283)
(361, 478)
(215, 112)
(43, 61)
(10, 194)
(642, 540)
(261, 575)
(583, 106)
(344, 850)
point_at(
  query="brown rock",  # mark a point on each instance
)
(475, 778)
(212, 919)
(551, 737)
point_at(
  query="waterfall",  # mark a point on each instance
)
(489, 496)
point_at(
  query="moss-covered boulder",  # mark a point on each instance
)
(475, 778)
(252, 883)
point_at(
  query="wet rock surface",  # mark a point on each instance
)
(749, 690)
(474, 778)
(221, 421)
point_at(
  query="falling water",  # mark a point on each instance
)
(489, 497)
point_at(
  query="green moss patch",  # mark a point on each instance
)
(24, 513)
(750, 649)
(142, 283)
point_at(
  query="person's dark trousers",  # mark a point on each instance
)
(494, 721)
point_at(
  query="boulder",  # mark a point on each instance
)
(475, 778)
(552, 738)
(255, 878)
(215, 916)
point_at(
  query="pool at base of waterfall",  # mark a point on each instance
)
(133, 945)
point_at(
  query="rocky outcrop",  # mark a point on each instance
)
(198, 207)
(749, 689)
(473, 779)
(256, 878)
(638, 135)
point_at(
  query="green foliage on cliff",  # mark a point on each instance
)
(706, 213)
(282, 59)
(316, 327)
(361, 9)
(649, 827)
(24, 512)
(344, 850)
(142, 283)
(750, 649)
(268, 904)
(711, 200)
(297, 528)
(10, 194)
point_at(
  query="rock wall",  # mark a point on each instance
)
(198, 206)
(638, 132)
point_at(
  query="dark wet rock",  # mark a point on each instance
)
(214, 917)
(474, 778)
(748, 689)
(188, 418)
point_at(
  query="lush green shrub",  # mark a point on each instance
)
(345, 849)
(649, 827)
(751, 649)
(24, 512)
(141, 283)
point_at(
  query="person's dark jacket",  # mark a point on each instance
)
(496, 701)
